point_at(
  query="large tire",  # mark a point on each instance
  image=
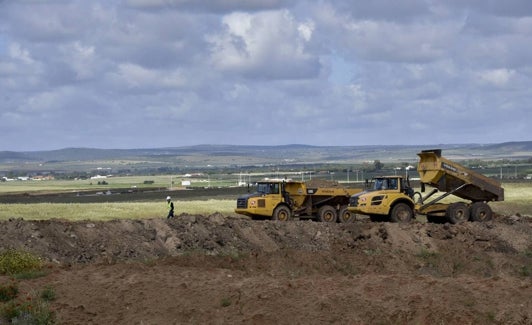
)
(282, 213)
(327, 214)
(344, 216)
(457, 213)
(402, 213)
(481, 212)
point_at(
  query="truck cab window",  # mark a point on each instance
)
(380, 184)
(392, 184)
(263, 188)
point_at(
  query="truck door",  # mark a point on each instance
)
(274, 196)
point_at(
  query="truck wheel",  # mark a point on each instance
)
(327, 214)
(344, 216)
(401, 212)
(481, 211)
(282, 213)
(457, 213)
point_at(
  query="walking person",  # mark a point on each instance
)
(170, 207)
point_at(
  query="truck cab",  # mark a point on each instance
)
(388, 196)
(268, 195)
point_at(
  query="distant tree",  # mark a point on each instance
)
(378, 165)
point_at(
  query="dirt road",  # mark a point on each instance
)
(225, 269)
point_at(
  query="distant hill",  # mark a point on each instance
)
(523, 146)
(231, 155)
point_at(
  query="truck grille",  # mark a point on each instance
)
(353, 201)
(242, 203)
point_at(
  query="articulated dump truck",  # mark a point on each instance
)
(392, 198)
(283, 200)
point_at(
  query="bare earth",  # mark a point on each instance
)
(226, 269)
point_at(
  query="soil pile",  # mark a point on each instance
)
(228, 269)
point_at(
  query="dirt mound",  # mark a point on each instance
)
(228, 269)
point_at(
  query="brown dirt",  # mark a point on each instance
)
(226, 269)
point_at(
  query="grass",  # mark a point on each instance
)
(48, 294)
(15, 306)
(27, 311)
(110, 211)
(425, 254)
(13, 262)
(516, 199)
(525, 271)
(32, 274)
(225, 302)
(8, 291)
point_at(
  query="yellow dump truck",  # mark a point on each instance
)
(392, 198)
(283, 200)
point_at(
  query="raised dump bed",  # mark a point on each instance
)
(448, 176)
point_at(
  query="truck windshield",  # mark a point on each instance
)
(268, 188)
(385, 184)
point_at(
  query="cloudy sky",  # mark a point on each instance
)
(170, 73)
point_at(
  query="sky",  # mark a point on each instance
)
(169, 73)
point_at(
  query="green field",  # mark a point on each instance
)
(110, 211)
(517, 201)
(159, 181)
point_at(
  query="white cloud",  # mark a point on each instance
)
(40, 104)
(264, 45)
(81, 58)
(137, 77)
(497, 77)
(306, 29)
(18, 53)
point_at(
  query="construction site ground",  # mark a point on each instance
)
(220, 269)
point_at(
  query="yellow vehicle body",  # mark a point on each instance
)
(398, 202)
(386, 194)
(283, 200)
